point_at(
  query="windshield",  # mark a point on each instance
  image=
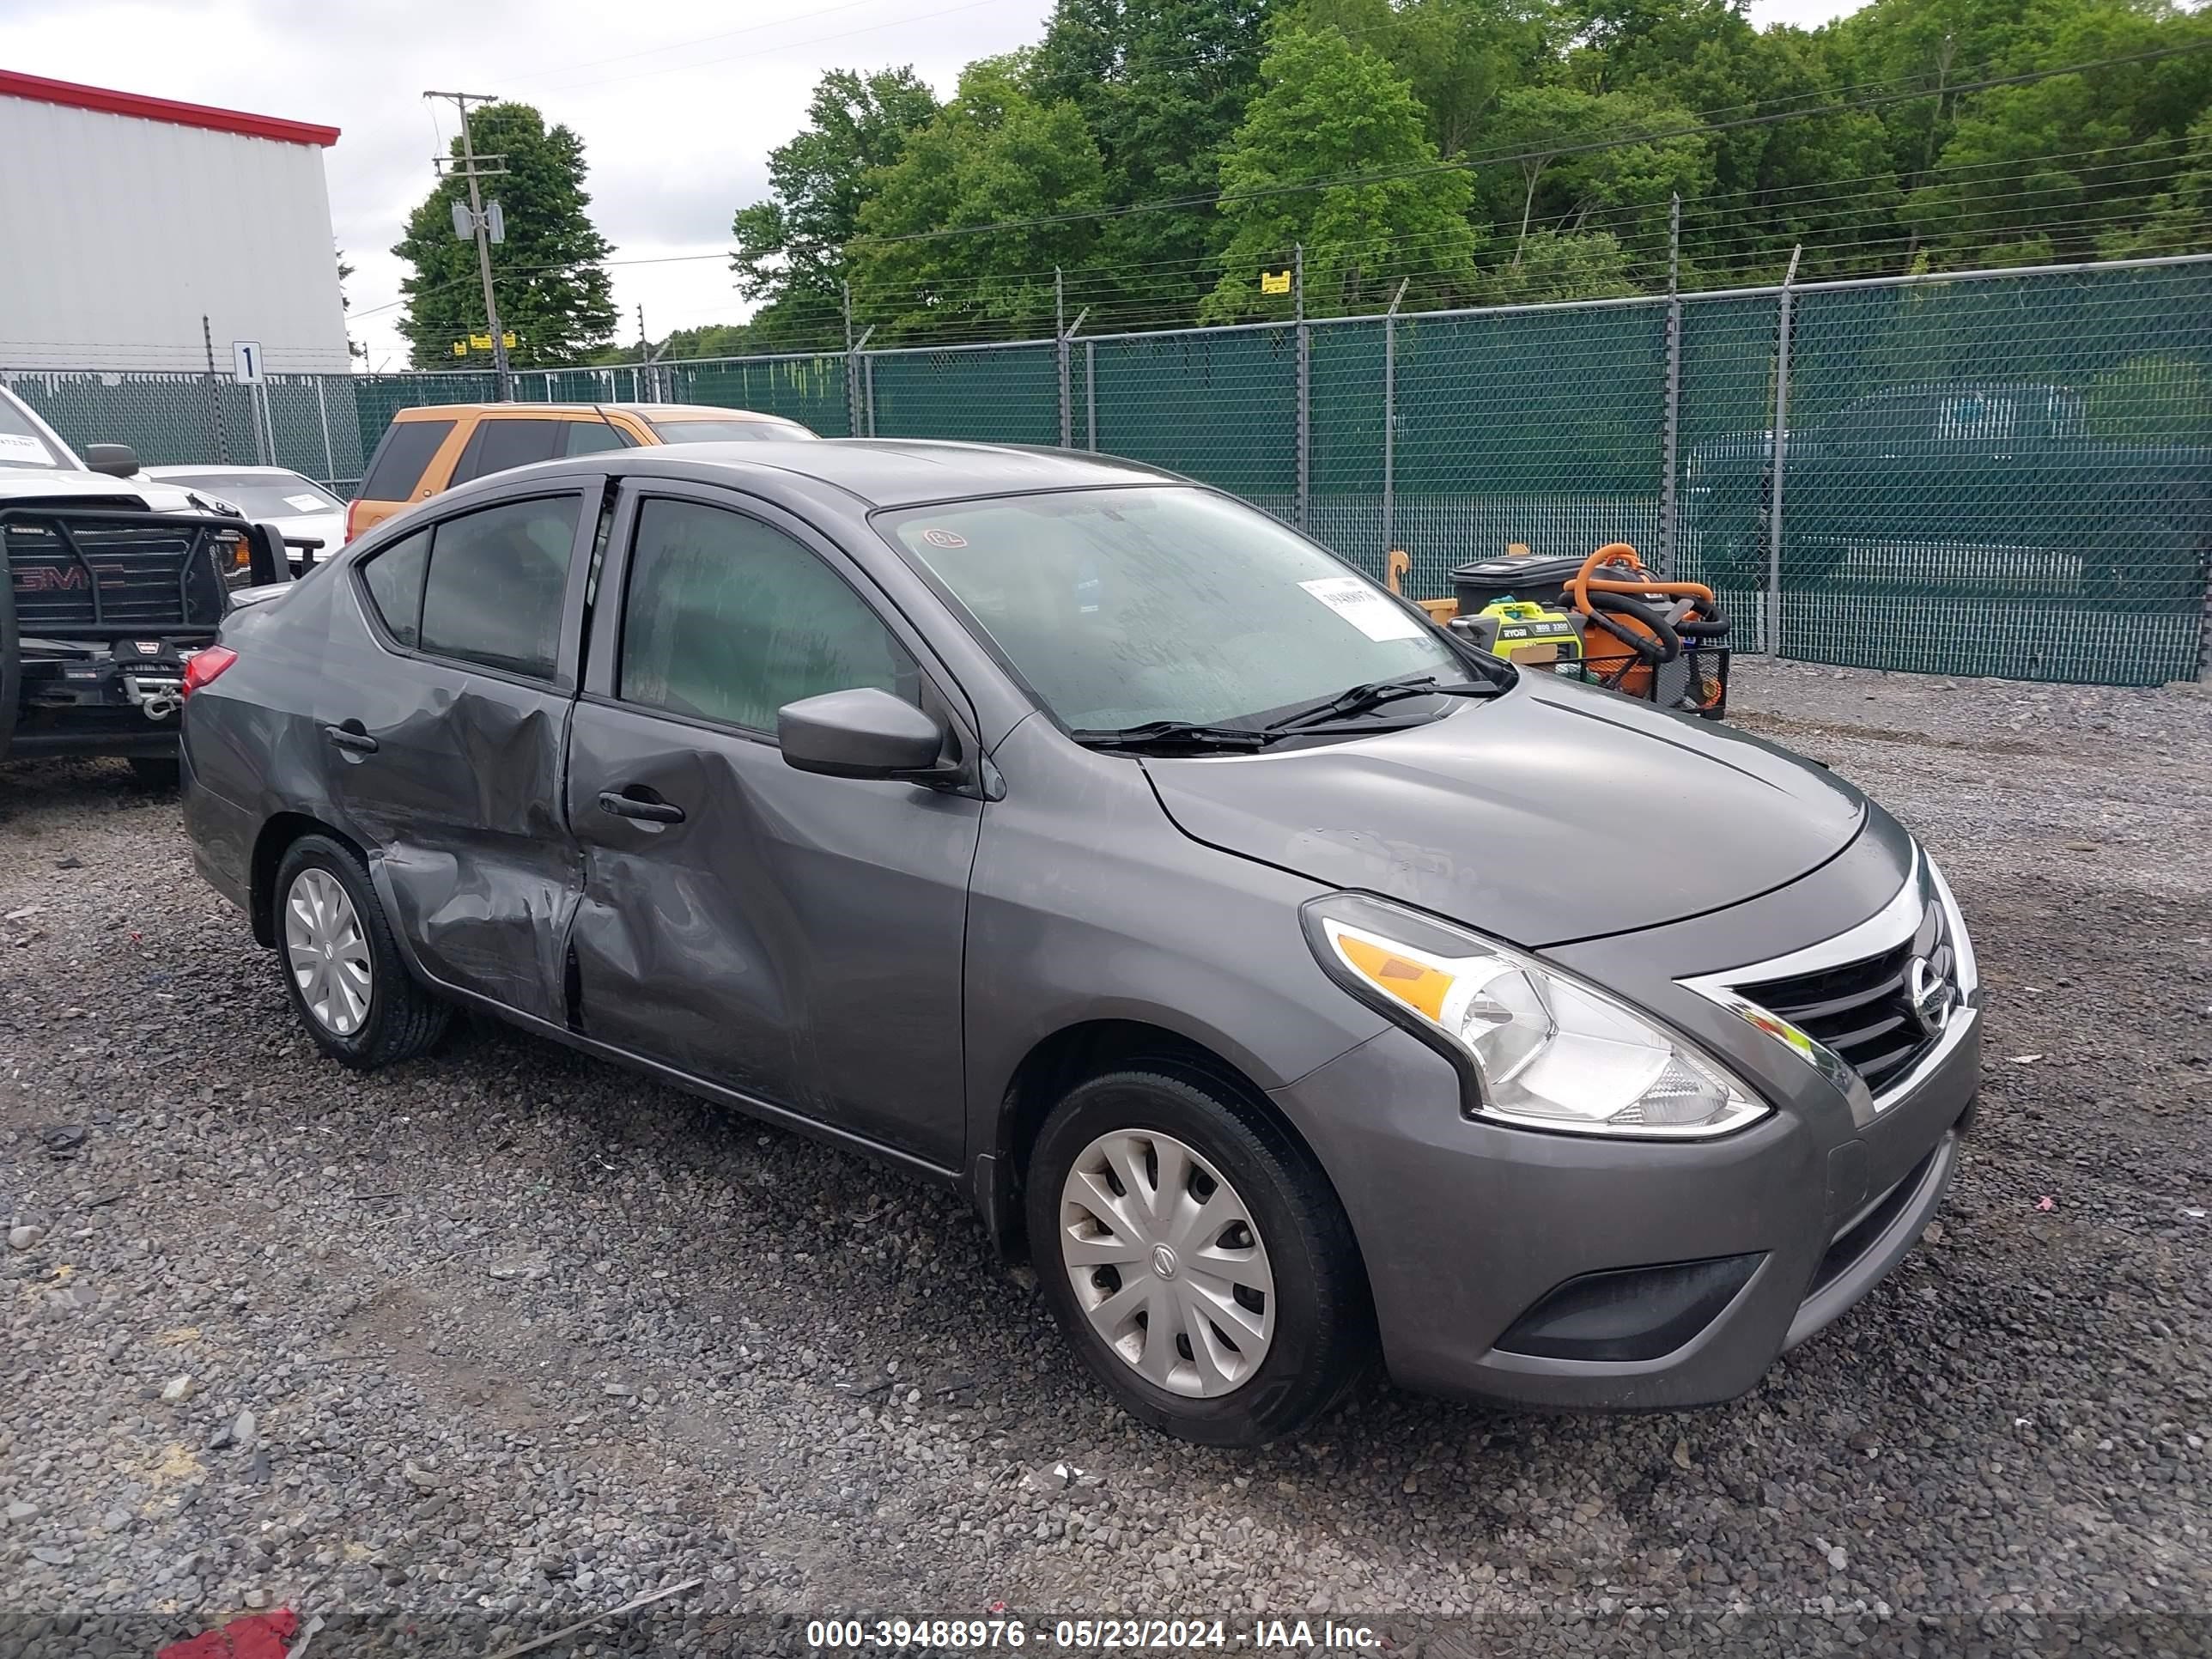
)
(728, 432)
(259, 495)
(1121, 607)
(20, 442)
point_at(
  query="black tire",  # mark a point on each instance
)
(402, 1019)
(163, 772)
(1322, 1335)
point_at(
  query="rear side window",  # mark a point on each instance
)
(496, 582)
(499, 444)
(729, 619)
(397, 467)
(394, 578)
(589, 437)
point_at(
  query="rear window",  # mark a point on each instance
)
(500, 444)
(407, 448)
(728, 432)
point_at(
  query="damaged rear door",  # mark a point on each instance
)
(445, 736)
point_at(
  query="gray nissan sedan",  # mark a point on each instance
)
(1292, 982)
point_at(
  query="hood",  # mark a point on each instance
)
(177, 498)
(328, 528)
(54, 483)
(1554, 812)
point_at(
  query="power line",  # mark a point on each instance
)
(1546, 154)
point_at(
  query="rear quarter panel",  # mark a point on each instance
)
(252, 745)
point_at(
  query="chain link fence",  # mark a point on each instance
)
(1990, 472)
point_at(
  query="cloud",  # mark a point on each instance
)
(677, 103)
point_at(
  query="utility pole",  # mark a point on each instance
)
(472, 172)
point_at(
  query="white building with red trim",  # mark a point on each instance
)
(125, 220)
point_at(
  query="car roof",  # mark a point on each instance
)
(643, 411)
(875, 472)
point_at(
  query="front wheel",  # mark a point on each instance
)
(1196, 1259)
(342, 972)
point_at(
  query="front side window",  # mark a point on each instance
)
(728, 619)
(497, 582)
(1121, 607)
(501, 443)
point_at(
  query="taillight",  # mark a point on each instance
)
(203, 665)
(352, 529)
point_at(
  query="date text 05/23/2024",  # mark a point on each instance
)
(1092, 1635)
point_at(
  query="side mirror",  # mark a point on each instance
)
(861, 734)
(116, 460)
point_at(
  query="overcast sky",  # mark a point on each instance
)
(678, 101)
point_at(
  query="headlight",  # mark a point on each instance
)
(1549, 1051)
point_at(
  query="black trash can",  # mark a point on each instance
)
(1542, 580)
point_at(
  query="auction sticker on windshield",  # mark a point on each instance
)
(1363, 608)
(20, 445)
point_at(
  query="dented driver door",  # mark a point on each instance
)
(795, 937)
(443, 722)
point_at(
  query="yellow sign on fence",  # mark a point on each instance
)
(1274, 282)
(482, 343)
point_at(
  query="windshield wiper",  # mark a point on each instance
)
(1361, 699)
(1166, 734)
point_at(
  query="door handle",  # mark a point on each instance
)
(650, 811)
(350, 737)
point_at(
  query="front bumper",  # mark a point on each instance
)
(1474, 1233)
(99, 698)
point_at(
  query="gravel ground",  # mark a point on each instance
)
(479, 1346)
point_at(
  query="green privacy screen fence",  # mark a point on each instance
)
(1993, 472)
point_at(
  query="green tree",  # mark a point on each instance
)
(1162, 85)
(553, 290)
(2051, 169)
(791, 247)
(2179, 218)
(1331, 110)
(997, 156)
(1461, 56)
(1578, 154)
(1556, 265)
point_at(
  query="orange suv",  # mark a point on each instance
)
(425, 451)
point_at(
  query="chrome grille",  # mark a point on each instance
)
(1863, 1011)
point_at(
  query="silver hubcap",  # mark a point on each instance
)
(326, 952)
(1166, 1263)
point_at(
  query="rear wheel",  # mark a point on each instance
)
(342, 970)
(1196, 1259)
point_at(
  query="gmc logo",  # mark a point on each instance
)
(50, 579)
